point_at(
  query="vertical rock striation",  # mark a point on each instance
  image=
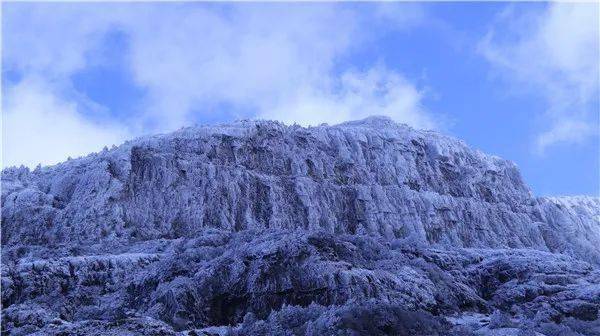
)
(366, 211)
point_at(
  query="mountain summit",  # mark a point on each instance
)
(246, 224)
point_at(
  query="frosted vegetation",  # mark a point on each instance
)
(257, 228)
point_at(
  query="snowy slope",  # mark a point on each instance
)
(367, 227)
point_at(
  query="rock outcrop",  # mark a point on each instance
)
(366, 227)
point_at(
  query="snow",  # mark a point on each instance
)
(196, 228)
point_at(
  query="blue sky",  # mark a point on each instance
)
(517, 80)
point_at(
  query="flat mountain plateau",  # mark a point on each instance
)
(256, 228)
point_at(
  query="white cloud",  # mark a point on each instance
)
(567, 131)
(554, 52)
(49, 39)
(250, 57)
(279, 65)
(277, 61)
(357, 95)
(39, 127)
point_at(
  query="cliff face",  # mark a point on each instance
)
(367, 177)
(204, 226)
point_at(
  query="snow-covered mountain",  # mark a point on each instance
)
(224, 225)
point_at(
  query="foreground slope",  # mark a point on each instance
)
(291, 229)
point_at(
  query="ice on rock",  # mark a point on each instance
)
(319, 230)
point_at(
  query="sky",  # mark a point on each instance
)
(516, 80)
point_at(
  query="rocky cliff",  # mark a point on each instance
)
(252, 223)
